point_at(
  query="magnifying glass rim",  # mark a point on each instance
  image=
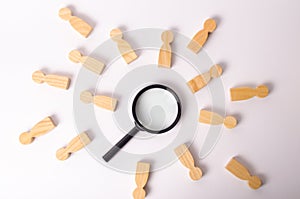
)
(139, 125)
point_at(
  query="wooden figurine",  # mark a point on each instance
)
(76, 144)
(165, 53)
(125, 49)
(202, 80)
(240, 171)
(53, 80)
(212, 118)
(187, 160)
(141, 178)
(78, 24)
(38, 130)
(99, 100)
(200, 38)
(244, 93)
(89, 63)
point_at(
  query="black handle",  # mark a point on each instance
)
(115, 149)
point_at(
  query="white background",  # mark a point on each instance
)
(256, 41)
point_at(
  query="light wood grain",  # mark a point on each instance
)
(244, 93)
(124, 47)
(165, 52)
(212, 118)
(240, 171)
(74, 145)
(89, 63)
(99, 100)
(200, 38)
(41, 128)
(187, 160)
(78, 24)
(202, 80)
(141, 178)
(52, 80)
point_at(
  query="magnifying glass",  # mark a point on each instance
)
(155, 109)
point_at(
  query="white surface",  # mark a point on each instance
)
(256, 42)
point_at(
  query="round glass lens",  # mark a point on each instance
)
(156, 109)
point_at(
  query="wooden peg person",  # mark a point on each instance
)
(244, 93)
(165, 53)
(78, 24)
(200, 38)
(187, 160)
(53, 80)
(89, 63)
(141, 178)
(212, 118)
(202, 80)
(38, 130)
(124, 47)
(76, 144)
(99, 100)
(240, 171)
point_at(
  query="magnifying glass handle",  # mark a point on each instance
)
(115, 149)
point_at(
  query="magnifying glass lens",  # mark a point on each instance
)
(156, 109)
